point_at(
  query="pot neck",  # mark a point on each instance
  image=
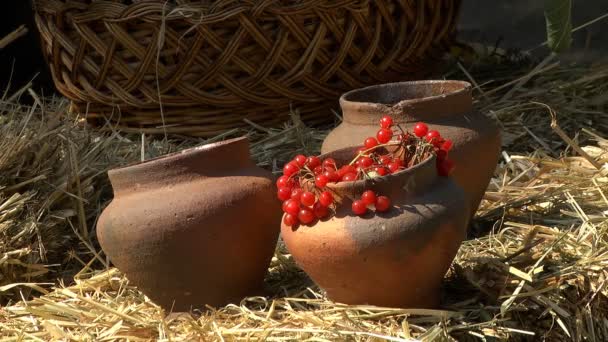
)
(412, 181)
(407, 102)
(212, 160)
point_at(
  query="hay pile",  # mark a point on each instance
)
(533, 269)
(52, 185)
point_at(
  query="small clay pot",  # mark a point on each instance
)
(193, 228)
(394, 259)
(446, 106)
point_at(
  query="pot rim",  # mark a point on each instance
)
(178, 154)
(441, 103)
(342, 186)
(466, 87)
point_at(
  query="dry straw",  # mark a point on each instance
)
(533, 269)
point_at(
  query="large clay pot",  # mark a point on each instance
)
(193, 228)
(445, 106)
(395, 259)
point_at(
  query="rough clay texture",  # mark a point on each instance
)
(194, 228)
(445, 106)
(395, 259)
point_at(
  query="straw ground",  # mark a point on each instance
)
(532, 269)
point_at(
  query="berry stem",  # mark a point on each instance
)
(362, 153)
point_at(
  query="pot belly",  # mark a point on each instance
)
(396, 259)
(194, 244)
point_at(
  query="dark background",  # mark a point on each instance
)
(521, 24)
(21, 60)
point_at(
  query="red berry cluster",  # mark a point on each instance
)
(381, 203)
(303, 189)
(303, 185)
(303, 199)
(441, 147)
(408, 150)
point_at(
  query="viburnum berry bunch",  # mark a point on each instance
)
(303, 185)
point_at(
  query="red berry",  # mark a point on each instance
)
(368, 197)
(381, 170)
(326, 198)
(332, 176)
(360, 150)
(320, 210)
(359, 207)
(398, 161)
(438, 143)
(349, 177)
(318, 170)
(307, 198)
(329, 162)
(284, 193)
(441, 155)
(285, 181)
(290, 168)
(290, 220)
(366, 161)
(386, 121)
(421, 129)
(306, 215)
(384, 135)
(335, 177)
(394, 167)
(432, 136)
(341, 172)
(292, 207)
(382, 204)
(385, 160)
(285, 206)
(447, 145)
(300, 160)
(296, 194)
(321, 181)
(445, 167)
(371, 143)
(346, 169)
(313, 162)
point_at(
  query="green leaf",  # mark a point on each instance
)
(558, 15)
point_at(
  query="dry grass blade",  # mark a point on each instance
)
(11, 37)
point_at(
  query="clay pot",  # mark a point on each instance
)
(445, 106)
(193, 228)
(394, 259)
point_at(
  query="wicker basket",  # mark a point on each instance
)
(200, 67)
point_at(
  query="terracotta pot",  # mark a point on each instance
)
(445, 106)
(395, 259)
(193, 228)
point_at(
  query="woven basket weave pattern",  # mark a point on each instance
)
(212, 63)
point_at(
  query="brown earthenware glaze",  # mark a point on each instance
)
(445, 106)
(193, 228)
(395, 259)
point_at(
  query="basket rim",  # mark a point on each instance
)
(194, 11)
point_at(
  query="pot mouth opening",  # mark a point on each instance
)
(339, 157)
(180, 154)
(391, 94)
